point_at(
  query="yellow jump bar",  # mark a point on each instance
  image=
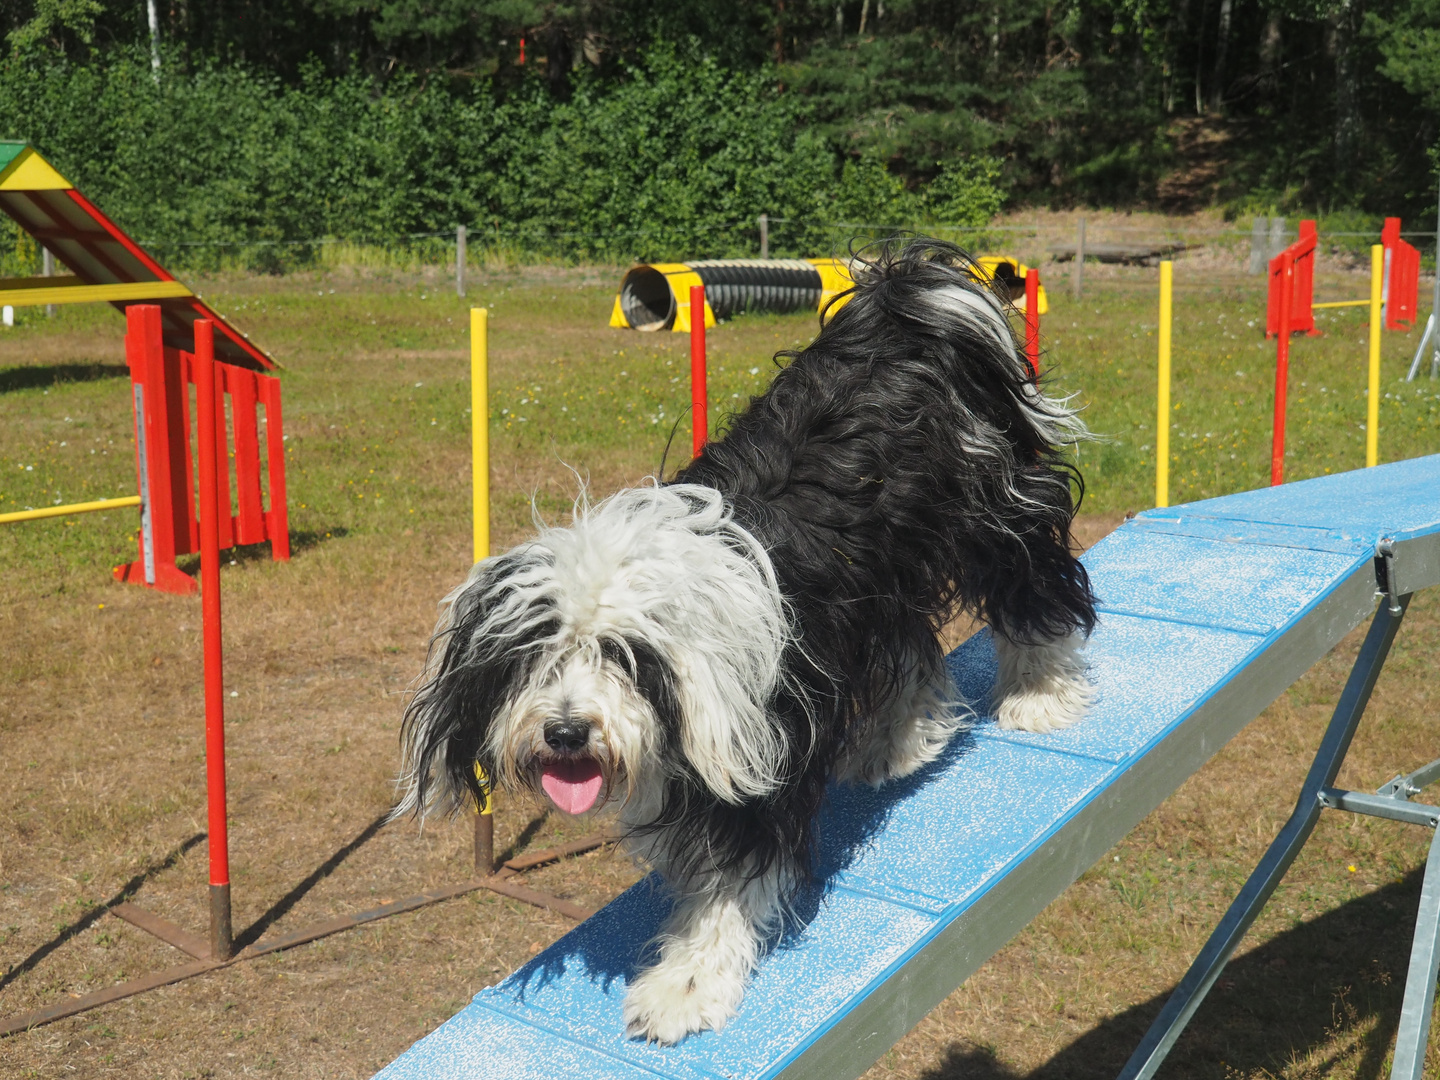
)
(57, 291)
(1342, 303)
(73, 508)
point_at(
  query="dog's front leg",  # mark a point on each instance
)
(708, 948)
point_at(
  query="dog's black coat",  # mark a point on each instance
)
(899, 470)
(853, 470)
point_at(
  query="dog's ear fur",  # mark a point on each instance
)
(726, 735)
(492, 632)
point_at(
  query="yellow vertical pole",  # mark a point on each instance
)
(480, 427)
(1162, 417)
(480, 489)
(1372, 402)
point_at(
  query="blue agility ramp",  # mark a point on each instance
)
(1208, 612)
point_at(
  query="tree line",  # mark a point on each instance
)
(1254, 105)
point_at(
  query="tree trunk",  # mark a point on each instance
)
(1200, 59)
(1222, 47)
(1348, 126)
(558, 59)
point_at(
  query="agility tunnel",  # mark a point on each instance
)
(1209, 611)
(656, 296)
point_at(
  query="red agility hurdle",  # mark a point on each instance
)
(160, 379)
(1402, 278)
(1295, 267)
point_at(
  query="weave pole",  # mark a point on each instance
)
(480, 508)
(221, 939)
(480, 429)
(699, 427)
(1282, 370)
(1032, 320)
(1372, 403)
(1162, 411)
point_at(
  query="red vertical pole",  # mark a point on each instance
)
(1282, 371)
(1032, 320)
(220, 937)
(699, 428)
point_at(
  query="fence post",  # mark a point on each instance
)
(459, 260)
(764, 236)
(1077, 280)
(49, 271)
(1258, 247)
(1277, 237)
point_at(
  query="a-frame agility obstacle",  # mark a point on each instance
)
(108, 266)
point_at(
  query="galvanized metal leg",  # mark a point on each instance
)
(1282, 851)
(1419, 1003)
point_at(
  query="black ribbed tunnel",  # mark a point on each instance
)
(779, 285)
(647, 298)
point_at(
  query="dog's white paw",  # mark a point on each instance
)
(708, 948)
(1041, 688)
(673, 1000)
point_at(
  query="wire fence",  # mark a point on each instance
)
(1046, 239)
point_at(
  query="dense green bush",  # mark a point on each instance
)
(677, 159)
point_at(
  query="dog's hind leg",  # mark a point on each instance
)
(911, 732)
(708, 947)
(1041, 687)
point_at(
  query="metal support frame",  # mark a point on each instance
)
(1317, 793)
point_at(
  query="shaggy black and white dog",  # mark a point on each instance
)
(700, 657)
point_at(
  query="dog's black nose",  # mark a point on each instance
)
(567, 736)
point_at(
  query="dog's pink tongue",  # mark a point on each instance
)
(572, 785)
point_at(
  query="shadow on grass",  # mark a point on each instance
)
(243, 554)
(80, 925)
(45, 375)
(520, 842)
(1335, 983)
(282, 906)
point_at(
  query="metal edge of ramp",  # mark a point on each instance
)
(528, 1026)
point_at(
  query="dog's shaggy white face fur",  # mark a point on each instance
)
(700, 659)
(664, 572)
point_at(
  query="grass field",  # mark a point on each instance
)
(101, 730)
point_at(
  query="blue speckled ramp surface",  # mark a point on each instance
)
(1209, 611)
